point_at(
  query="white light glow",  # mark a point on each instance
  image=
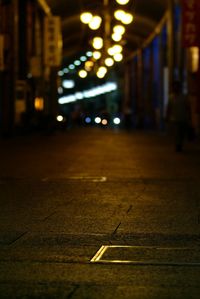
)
(93, 92)
(88, 120)
(97, 120)
(83, 58)
(59, 118)
(89, 54)
(60, 90)
(60, 73)
(68, 84)
(115, 49)
(88, 65)
(116, 121)
(77, 62)
(71, 66)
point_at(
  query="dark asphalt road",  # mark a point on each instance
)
(127, 200)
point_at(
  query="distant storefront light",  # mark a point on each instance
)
(39, 103)
(91, 93)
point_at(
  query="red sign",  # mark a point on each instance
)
(190, 23)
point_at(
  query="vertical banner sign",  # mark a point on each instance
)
(52, 41)
(1, 52)
(190, 23)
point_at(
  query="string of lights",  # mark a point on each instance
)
(107, 44)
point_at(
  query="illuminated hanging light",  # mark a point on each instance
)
(101, 72)
(111, 51)
(86, 17)
(122, 2)
(95, 23)
(88, 65)
(82, 73)
(127, 18)
(116, 37)
(119, 29)
(109, 61)
(97, 43)
(117, 49)
(96, 55)
(118, 57)
(119, 14)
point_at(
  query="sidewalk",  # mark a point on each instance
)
(65, 196)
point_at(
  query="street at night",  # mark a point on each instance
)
(99, 213)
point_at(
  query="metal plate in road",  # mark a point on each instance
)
(148, 255)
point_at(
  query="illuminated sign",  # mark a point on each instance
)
(52, 41)
(190, 23)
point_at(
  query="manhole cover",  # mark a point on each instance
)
(147, 255)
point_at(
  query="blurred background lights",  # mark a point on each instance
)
(97, 55)
(95, 22)
(109, 61)
(89, 54)
(77, 62)
(88, 120)
(116, 37)
(83, 58)
(60, 73)
(71, 66)
(120, 29)
(82, 73)
(60, 118)
(122, 2)
(68, 84)
(119, 14)
(97, 120)
(79, 95)
(116, 121)
(101, 72)
(93, 92)
(60, 90)
(86, 17)
(127, 18)
(118, 57)
(104, 122)
(97, 42)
